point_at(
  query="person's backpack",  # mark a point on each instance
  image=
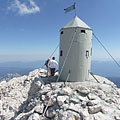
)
(46, 63)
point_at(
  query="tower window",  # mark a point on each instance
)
(61, 53)
(87, 53)
(82, 31)
(61, 32)
(91, 51)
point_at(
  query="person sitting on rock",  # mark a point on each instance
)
(52, 64)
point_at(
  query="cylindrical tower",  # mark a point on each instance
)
(75, 51)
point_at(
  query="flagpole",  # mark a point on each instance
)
(75, 8)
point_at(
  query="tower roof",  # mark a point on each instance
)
(76, 22)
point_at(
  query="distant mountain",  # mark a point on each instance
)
(22, 68)
(18, 64)
(13, 70)
(9, 76)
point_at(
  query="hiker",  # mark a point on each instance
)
(46, 64)
(52, 64)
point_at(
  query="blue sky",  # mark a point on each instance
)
(29, 29)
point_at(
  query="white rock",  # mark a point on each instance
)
(85, 115)
(117, 117)
(34, 116)
(3, 83)
(62, 99)
(84, 104)
(93, 102)
(66, 91)
(105, 110)
(100, 116)
(2, 117)
(0, 106)
(42, 71)
(92, 96)
(105, 88)
(35, 86)
(51, 93)
(65, 106)
(83, 90)
(43, 97)
(74, 100)
(81, 98)
(73, 115)
(100, 94)
(45, 89)
(68, 115)
(39, 108)
(94, 109)
(62, 115)
(50, 113)
(118, 90)
(104, 80)
(33, 73)
(73, 107)
(110, 100)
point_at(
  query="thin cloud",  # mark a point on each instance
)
(24, 9)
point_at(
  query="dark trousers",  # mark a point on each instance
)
(52, 71)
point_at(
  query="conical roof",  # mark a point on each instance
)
(76, 22)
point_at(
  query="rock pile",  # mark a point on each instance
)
(34, 97)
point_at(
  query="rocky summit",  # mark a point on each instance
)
(38, 97)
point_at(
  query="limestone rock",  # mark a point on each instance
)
(39, 109)
(85, 114)
(2, 117)
(83, 90)
(50, 113)
(92, 96)
(62, 99)
(66, 91)
(38, 97)
(35, 86)
(73, 107)
(117, 117)
(68, 115)
(81, 98)
(94, 109)
(100, 116)
(93, 102)
(34, 116)
(74, 100)
(100, 94)
(43, 97)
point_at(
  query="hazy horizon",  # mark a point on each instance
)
(104, 68)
